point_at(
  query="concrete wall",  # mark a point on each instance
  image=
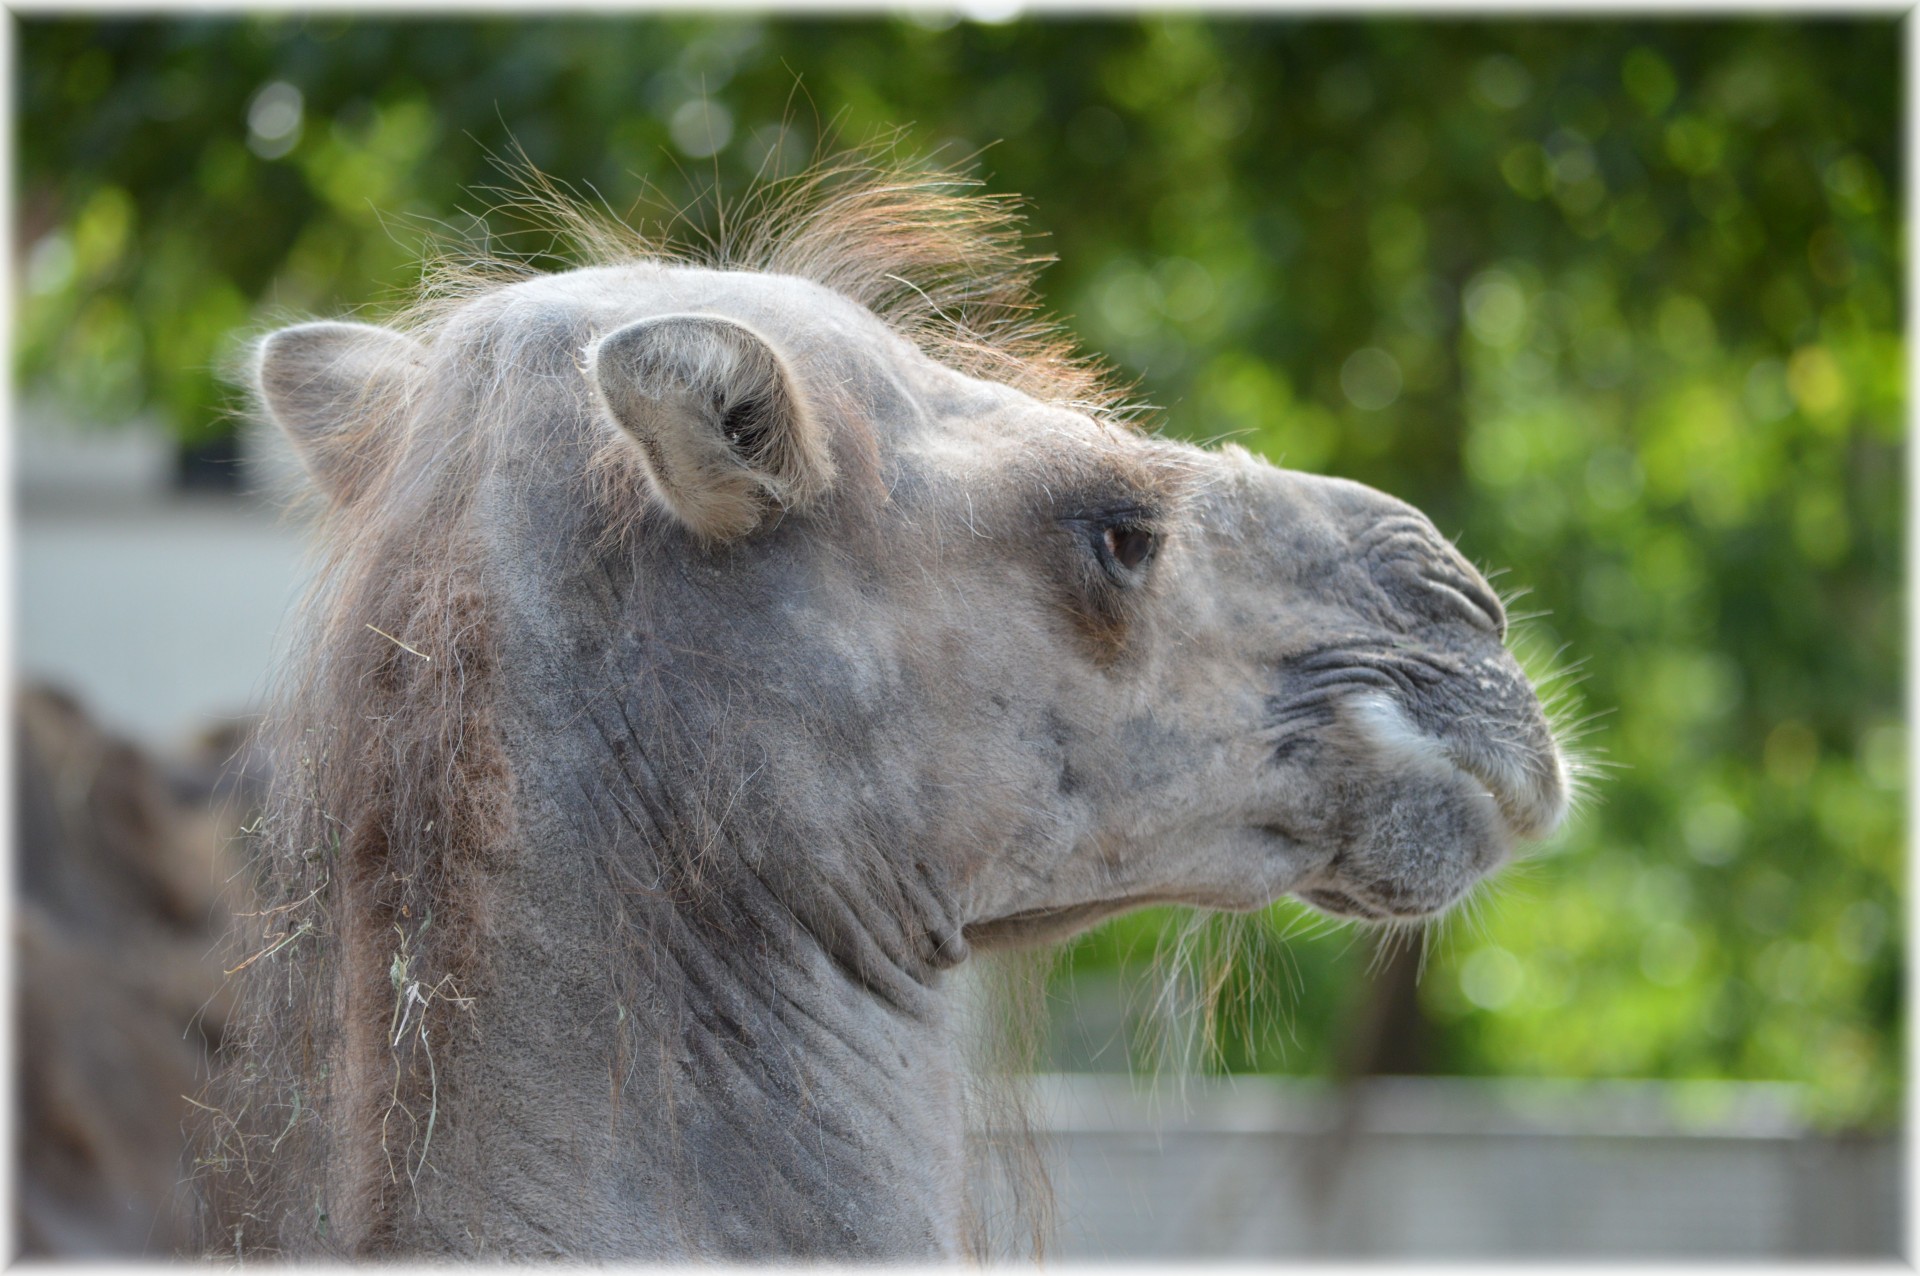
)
(1445, 1168)
(160, 610)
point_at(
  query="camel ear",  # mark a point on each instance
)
(323, 382)
(721, 427)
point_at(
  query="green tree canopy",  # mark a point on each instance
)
(1617, 302)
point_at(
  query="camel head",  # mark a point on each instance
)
(703, 657)
(892, 620)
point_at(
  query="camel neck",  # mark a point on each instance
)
(812, 1115)
(698, 1025)
(702, 1078)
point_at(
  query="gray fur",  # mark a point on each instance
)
(763, 782)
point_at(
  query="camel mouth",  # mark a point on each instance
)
(1340, 904)
(1448, 808)
(1444, 714)
(1526, 780)
(1532, 807)
(1354, 896)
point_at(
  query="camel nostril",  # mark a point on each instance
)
(1424, 572)
(1482, 595)
(1474, 598)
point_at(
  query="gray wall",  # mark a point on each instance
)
(1447, 1168)
(159, 610)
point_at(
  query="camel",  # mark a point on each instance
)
(710, 655)
(117, 1007)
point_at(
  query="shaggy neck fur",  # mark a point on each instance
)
(579, 1011)
(745, 1055)
(566, 974)
(595, 992)
(755, 1101)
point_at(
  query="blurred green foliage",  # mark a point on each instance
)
(1617, 303)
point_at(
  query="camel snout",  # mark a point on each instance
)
(1429, 580)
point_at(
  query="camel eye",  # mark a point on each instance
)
(1129, 545)
(1121, 541)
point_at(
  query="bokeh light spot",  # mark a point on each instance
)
(1501, 82)
(1883, 756)
(1713, 830)
(1791, 752)
(1371, 379)
(701, 127)
(1491, 978)
(1496, 308)
(274, 120)
(1816, 383)
(1649, 80)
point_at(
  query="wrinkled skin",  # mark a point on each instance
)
(1303, 688)
(969, 671)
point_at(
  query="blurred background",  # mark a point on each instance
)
(1617, 303)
